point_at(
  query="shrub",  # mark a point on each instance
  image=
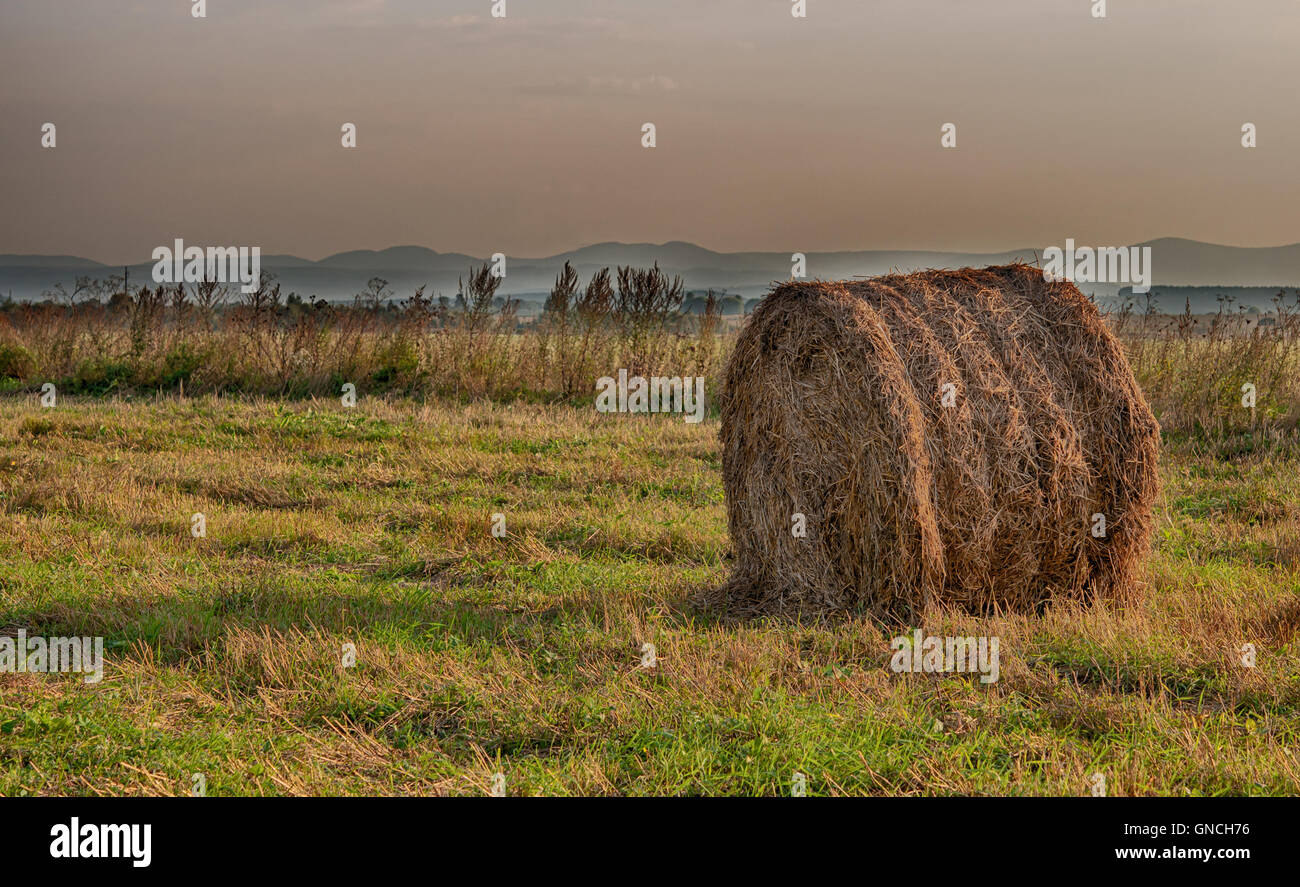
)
(16, 362)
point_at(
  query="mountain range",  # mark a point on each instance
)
(1176, 263)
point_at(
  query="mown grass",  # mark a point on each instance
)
(475, 655)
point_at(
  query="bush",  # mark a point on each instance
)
(179, 365)
(98, 376)
(398, 362)
(16, 362)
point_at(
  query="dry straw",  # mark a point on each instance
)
(834, 408)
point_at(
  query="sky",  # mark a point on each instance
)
(523, 135)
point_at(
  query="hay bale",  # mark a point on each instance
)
(834, 407)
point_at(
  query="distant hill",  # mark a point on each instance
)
(14, 261)
(1177, 263)
(399, 258)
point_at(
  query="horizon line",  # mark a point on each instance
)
(667, 243)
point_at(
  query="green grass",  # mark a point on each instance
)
(477, 654)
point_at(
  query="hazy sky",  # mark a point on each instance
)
(523, 135)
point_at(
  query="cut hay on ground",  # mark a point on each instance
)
(834, 408)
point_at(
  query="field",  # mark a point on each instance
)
(522, 655)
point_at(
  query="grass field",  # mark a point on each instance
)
(521, 655)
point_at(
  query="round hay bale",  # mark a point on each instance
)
(948, 436)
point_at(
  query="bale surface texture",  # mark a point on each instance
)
(949, 437)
